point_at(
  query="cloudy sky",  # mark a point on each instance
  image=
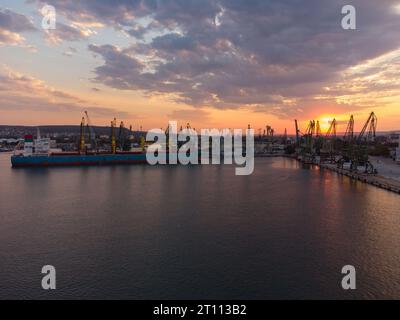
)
(213, 63)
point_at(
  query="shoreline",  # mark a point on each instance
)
(376, 180)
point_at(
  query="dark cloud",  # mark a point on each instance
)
(229, 54)
(15, 22)
(11, 25)
(173, 42)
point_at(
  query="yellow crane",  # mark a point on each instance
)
(113, 139)
(82, 136)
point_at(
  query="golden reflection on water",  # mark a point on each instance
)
(285, 163)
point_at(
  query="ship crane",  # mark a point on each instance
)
(169, 143)
(131, 134)
(82, 136)
(113, 139)
(92, 132)
(121, 136)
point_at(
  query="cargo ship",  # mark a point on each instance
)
(38, 152)
(53, 160)
(70, 159)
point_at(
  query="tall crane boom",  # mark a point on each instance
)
(92, 133)
(113, 139)
(368, 132)
(349, 135)
(297, 132)
(82, 136)
(121, 136)
(318, 130)
(311, 128)
(332, 129)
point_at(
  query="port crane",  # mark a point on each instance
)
(306, 142)
(310, 131)
(355, 149)
(318, 138)
(347, 143)
(313, 143)
(297, 133)
(332, 129)
(318, 129)
(329, 142)
(360, 149)
(349, 135)
(350, 148)
(368, 132)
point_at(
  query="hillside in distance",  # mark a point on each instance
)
(16, 131)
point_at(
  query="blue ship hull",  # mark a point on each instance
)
(77, 160)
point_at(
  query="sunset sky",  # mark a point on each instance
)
(213, 63)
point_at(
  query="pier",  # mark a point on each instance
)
(375, 180)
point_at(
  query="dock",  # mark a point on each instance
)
(379, 181)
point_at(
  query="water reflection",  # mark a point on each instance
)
(196, 232)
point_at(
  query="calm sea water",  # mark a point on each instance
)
(142, 232)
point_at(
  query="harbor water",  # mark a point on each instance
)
(195, 232)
